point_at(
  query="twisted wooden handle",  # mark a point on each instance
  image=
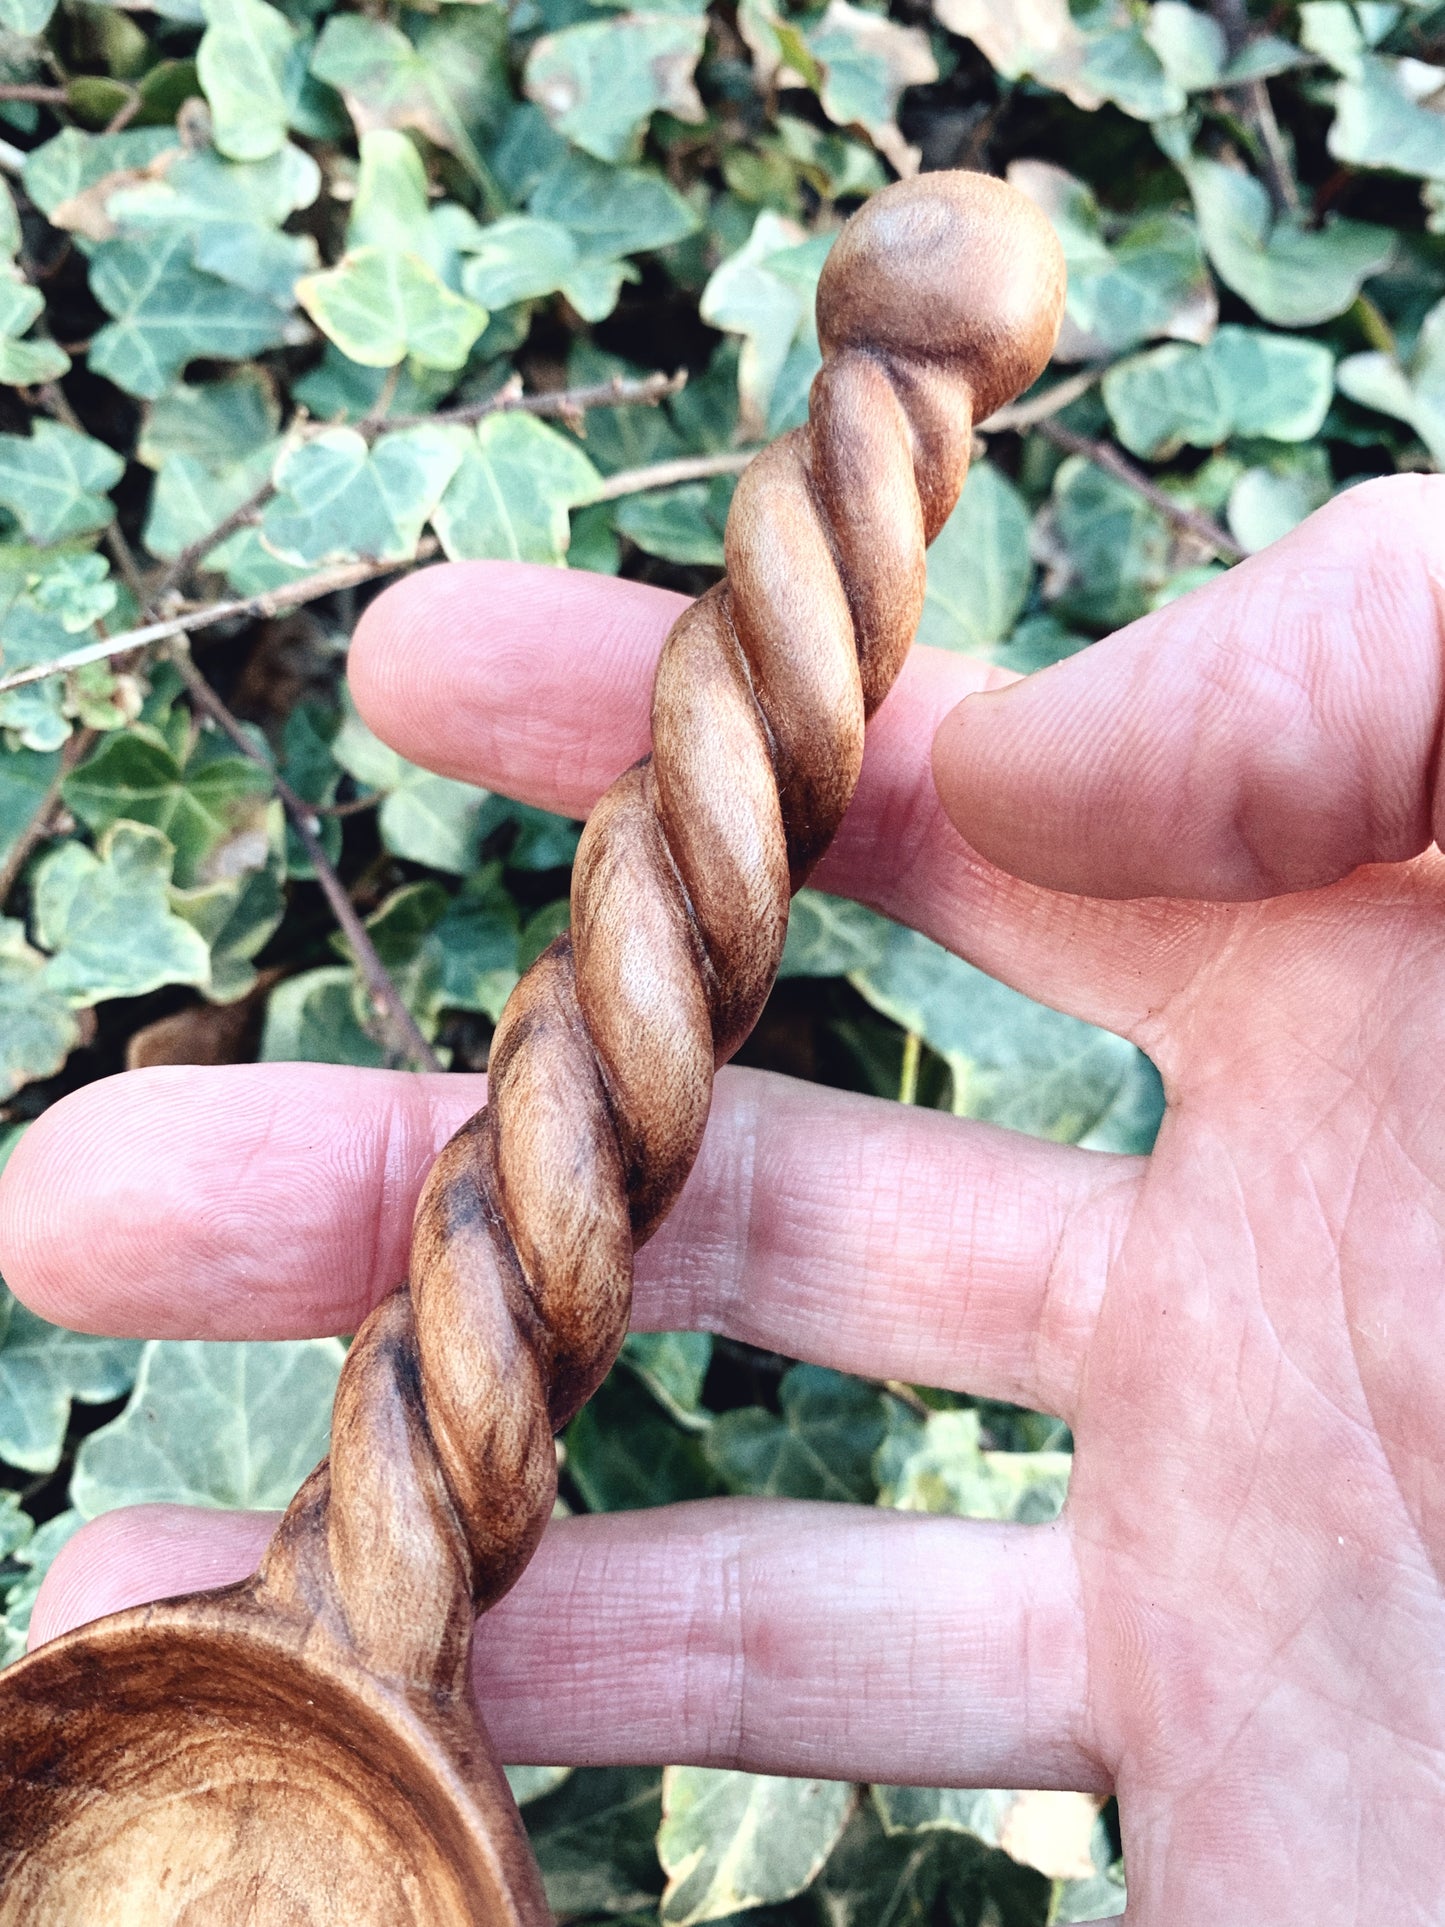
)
(939, 301)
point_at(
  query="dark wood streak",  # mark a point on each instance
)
(302, 1750)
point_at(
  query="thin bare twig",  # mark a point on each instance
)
(1105, 456)
(687, 468)
(271, 602)
(198, 550)
(1259, 112)
(43, 821)
(1038, 408)
(125, 113)
(404, 1037)
(566, 403)
(25, 90)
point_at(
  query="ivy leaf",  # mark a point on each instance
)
(35, 1556)
(1391, 114)
(212, 809)
(682, 524)
(242, 64)
(30, 634)
(731, 1841)
(42, 1369)
(25, 779)
(593, 1841)
(166, 313)
(865, 62)
(312, 1019)
(380, 306)
(23, 363)
(1290, 275)
(106, 917)
(829, 936)
(979, 569)
(54, 481)
(1150, 280)
(1014, 1062)
(821, 1447)
(447, 953)
(1110, 59)
(672, 1365)
(940, 1466)
(216, 423)
(1271, 498)
(601, 82)
(336, 498)
(1190, 45)
(624, 1455)
(532, 1782)
(446, 81)
(1054, 1833)
(511, 492)
(37, 1028)
(214, 1425)
(424, 817)
(1412, 388)
(236, 915)
(189, 500)
(612, 211)
(1246, 381)
(522, 258)
(1113, 551)
(765, 293)
(229, 212)
(61, 169)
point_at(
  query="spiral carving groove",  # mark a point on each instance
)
(940, 300)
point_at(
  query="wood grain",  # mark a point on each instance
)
(301, 1751)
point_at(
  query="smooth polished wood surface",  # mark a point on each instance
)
(301, 1751)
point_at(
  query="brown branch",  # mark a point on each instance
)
(405, 1040)
(1038, 408)
(687, 468)
(1105, 456)
(42, 823)
(125, 113)
(198, 550)
(567, 403)
(270, 602)
(26, 90)
(1260, 109)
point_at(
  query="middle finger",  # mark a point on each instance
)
(275, 1200)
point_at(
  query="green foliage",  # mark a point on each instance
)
(734, 1841)
(291, 298)
(228, 1425)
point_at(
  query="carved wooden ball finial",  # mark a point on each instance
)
(302, 1750)
(975, 277)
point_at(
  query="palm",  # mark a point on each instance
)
(1257, 1501)
(1238, 1619)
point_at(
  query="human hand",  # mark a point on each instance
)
(1239, 1620)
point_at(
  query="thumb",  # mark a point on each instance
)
(1266, 734)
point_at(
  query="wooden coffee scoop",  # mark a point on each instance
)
(302, 1750)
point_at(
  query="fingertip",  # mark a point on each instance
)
(145, 1552)
(148, 1204)
(530, 680)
